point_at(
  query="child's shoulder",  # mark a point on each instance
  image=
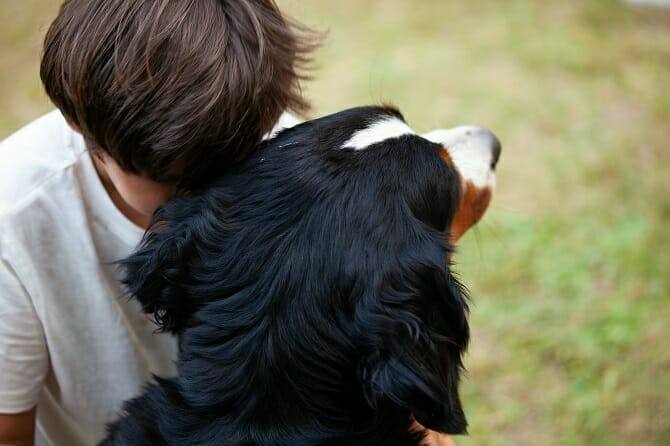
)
(34, 155)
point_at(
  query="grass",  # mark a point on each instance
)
(570, 271)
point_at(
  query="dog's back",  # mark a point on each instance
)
(311, 292)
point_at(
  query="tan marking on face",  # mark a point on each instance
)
(473, 205)
(445, 157)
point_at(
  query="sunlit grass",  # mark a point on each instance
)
(569, 272)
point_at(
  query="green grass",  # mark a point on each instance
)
(570, 271)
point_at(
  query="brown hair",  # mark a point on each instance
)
(175, 89)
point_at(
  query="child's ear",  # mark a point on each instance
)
(155, 274)
(418, 362)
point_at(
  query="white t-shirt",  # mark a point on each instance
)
(70, 341)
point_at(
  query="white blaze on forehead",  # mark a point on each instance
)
(386, 128)
(471, 150)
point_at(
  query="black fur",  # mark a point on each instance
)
(311, 293)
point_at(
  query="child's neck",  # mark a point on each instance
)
(128, 211)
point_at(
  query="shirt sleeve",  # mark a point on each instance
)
(286, 120)
(23, 351)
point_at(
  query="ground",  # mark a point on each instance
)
(569, 272)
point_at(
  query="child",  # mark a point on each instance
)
(151, 95)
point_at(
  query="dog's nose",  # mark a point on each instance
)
(492, 141)
(482, 138)
(474, 150)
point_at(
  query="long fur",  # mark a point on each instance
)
(311, 293)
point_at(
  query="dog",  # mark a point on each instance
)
(311, 291)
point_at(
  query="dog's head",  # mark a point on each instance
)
(314, 278)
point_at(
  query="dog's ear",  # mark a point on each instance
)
(418, 332)
(155, 274)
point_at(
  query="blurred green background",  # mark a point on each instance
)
(570, 271)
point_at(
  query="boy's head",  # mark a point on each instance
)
(174, 91)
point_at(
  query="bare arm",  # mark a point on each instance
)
(17, 429)
(23, 359)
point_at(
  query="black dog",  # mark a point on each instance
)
(311, 292)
